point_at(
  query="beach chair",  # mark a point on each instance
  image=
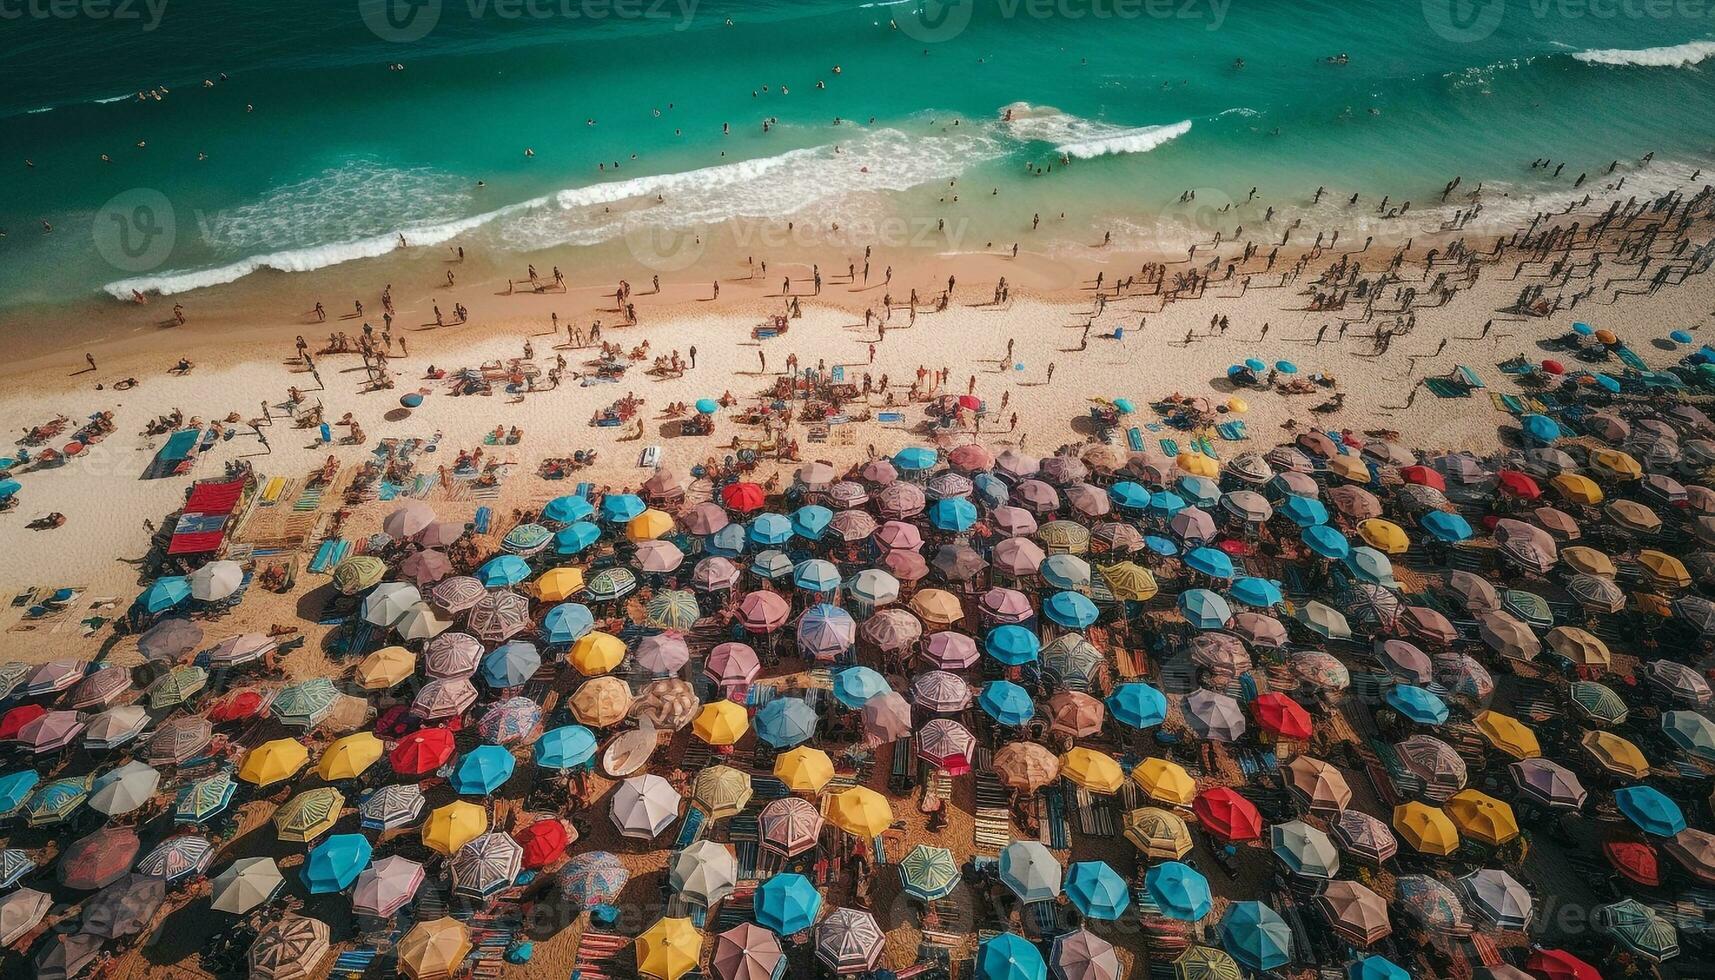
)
(1170, 447)
(1134, 439)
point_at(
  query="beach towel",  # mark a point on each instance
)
(319, 563)
(1170, 447)
(1447, 388)
(1630, 358)
(890, 416)
(271, 492)
(1134, 439)
(1468, 376)
(1231, 431)
(484, 516)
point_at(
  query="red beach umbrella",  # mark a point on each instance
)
(1553, 367)
(237, 707)
(743, 497)
(1519, 485)
(1423, 476)
(72, 448)
(17, 718)
(1279, 714)
(1558, 964)
(1227, 815)
(1634, 859)
(543, 841)
(422, 751)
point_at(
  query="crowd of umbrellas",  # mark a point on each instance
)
(967, 608)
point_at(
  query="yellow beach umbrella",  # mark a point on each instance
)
(1237, 404)
(1507, 734)
(804, 769)
(1615, 463)
(435, 949)
(668, 949)
(348, 757)
(309, 815)
(1481, 817)
(453, 826)
(1588, 560)
(1615, 754)
(560, 584)
(596, 653)
(1426, 828)
(648, 526)
(1349, 468)
(937, 607)
(1384, 536)
(1580, 646)
(1665, 571)
(721, 723)
(1129, 580)
(1094, 771)
(723, 791)
(860, 811)
(272, 762)
(386, 667)
(1165, 781)
(1198, 464)
(1577, 489)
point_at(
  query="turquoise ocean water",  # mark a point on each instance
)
(319, 154)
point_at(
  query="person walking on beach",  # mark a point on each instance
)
(872, 353)
(321, 314)
(762, 358)
(693, 353)
(91, 359)
(1050, 372)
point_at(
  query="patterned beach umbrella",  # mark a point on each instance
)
(1364, 836)
(392, 807)
(289, 948)
(849, 941)
(178, 857)
(309, 814)
(499, 616)
(445, 697)
(929, 873)
(1638, 929)
(305, 704)
(1496, 898)
(790, 826)
(485, 865)
(593, 878)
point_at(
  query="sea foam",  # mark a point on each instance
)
(1673, 56)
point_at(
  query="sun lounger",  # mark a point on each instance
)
(271, 492)
(1134, 439)
(1232, 431)
(890, 416)
(1170, 447)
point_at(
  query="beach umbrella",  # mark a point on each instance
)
(1357, 915)
(1433, 761)
(99, 859)
(1075, 714)
(1159, 834)
(1206, 963)
(1018, 557)
(1261, 593)
(950, 651)
(1012, 645)
(388, 602)
(1026, 766)
(1137, 705)
(567, 510)
(1094, 771)
(1165, 781)
(1281, 716)
(1420, 705)
(849, 941)
(241, 649)
(391, 807)
(166, 592)
(168, 640)
(804, 769)
(929, 873)
(511, 664)
(826, 631)
(559, 584)
(886, 718)
(421, 752)
(593, 878)
(855, 686)
(290, 948)
(1007, 703)
(1304, 849)
(1507, 734)
(566, 747)
(21, 912)
(273, 761)
(785, 722)
(787, 903)
(748, 952)
(1219, 653)
(1256, 936)
(246, 884)
(603, 702)
(721, 722)
(387, 886)
(596, 653)
(1678, 680)
(1306, 512)
(14, 865)
(1179, 891)
(1209, 561)
(173, 742)
(1549, 783)
(946, 744)
(1082, 955)
(1006, 606)
(1615, 754)
(385, 668)
(334, 864)
(1507, 636)
(860, 811)
(1214, 716)
(1638, 929)
(644, 806)
(789, 826)
(486, 865)
(434, 949)
(308, 815)
(1224, 814)
(1364, 836)
(204, 798)
(1481, 817)
(482, 770)
(1497, 898)
(1650, 810)
(178, 686)
(1204, 609)
(575, 537)
(658, 557)
(1426, 828)
(421, 623)
(453, 826)
(1326, 542)
(1596, 703)
(1557, 964)
(1009, 956)
(1690, 731)
(1031, 871)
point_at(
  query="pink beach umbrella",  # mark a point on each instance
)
(1006, 605)
(898, 536)
(1013, 521)
(452, 655)
(950, 651)
(663, 653)
(1017, 465)
(886, 718)
(880, 472)
(763, 611)
(715, 573)
(732, 665)
(748, 952)
(386, 886)
(901, 500)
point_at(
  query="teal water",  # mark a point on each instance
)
(318, 154)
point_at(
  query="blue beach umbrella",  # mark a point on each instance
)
(1680, 337)
(816, 575)
(335, 863)
(565, 748)
(1447, 526)
(1138, 705)
(810, 520)
(566, 622)
(503, 570)
(567, 510)
(952, 514)
(785, 722)
(1070, 609)
(1179, 891)
(1200, 490)
(1421, 705)
(1012, 645)
(707, 406)
(1286, 367)
(1370, 566)
(1166, 503)
(15, 788)
(1255, 364)
(990, 490)
(1540, 428)
(511, 664)
(854, 686)
(1129, 495)
(1607, 383)
(1009, 956)
(729, 542)
(1256, 936)
(482, 770)
(1582, 329)
(1007, 703)
(1166, 547)
(1097, 890)
(617, 508)
(1212, 562)
(165, 593)
(787, 903)
(1650, 809)
(1326, 541)
(1376, 968)
(770, 530)
(1204, 609)
(916, 459)
(575, 537)
(9, 488)
(1258, 592)
(1303, 511)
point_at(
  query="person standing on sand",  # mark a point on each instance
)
(762, 359)
(1050, 372)
(693, 350)
(91, 359)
